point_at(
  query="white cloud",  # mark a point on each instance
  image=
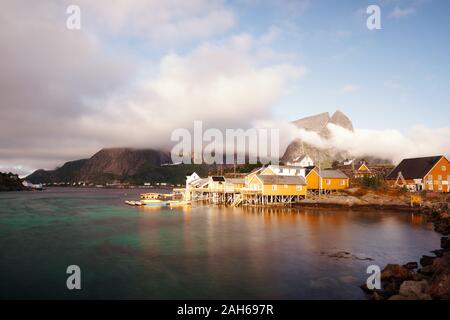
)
(220, 84)
(160, 21)
(74, 95)
(385, 144)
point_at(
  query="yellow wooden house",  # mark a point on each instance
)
(326, 180)
(363, 171)
(276, 185)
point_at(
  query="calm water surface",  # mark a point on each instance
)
(203, 252)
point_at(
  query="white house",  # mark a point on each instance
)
(286, 170)
(303, 161)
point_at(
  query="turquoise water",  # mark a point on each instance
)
(203, 252)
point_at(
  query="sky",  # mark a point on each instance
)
(136, 70)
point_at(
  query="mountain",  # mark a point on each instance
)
(10, 182)
(318, 123)
(122, 164)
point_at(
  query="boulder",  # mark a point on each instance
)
(445, 243)
(440, 287)
(442, 226)
(400, 297)
(426, 261)
(411, 265)
(427, 270)
(415, 289)
(395, 271)
(439, 253)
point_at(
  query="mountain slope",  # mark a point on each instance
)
(318, 123)
(106, 165)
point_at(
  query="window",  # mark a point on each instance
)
(430, 177)
(439, 177)
(444, 168)
(440, 187)
(299, 188)
(342, 182)
(285, 186)
(274, 187)
(430, 187)
(448, 177)
(328, 181)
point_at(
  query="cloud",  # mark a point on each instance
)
(66, 94)
(160, 21)
(384, 144)
(221, 84)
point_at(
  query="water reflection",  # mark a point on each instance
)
(279, 252)
(199, 252)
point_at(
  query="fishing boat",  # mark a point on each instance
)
(134, 203)
(153, 199)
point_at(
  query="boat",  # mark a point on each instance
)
(134, 203)
(154, 199)
(157, 200)
(155, 203)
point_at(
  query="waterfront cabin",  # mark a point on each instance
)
(275, 189)
(425, 173)
(237, 183)
(216, 183)
(280, 170)
(326, 181)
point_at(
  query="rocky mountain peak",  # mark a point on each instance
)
(314, 123)
(340, 119)
(317, 123)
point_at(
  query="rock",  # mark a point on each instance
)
(440, 288)
(411, 265)
(399, 297)
(428, 270)
(445, 243)
(366, 289)
(390, 288)
(415, 289)
(395, 271)
(442, 265)
(427, 260)
(418, 276)
(377, 296)
(439, 253)
(442, 226)
(340, 119)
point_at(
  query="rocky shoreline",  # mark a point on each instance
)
(357, 198)
(428, 279)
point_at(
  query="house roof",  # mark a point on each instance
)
(200, 182)
(269, 179)
(257, 170)
(332, 174)
(414, 168)
(218, 178)
(286, 167)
